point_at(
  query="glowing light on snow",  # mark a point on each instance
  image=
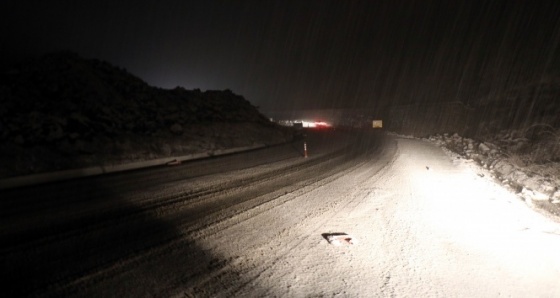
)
(469, 210)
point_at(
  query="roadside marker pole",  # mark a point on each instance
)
(305, 149)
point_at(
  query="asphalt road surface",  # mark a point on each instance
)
(258, 223)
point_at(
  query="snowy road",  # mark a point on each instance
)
(253, 224)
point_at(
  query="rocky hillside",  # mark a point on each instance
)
(61, 111)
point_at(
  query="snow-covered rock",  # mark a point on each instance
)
(533, 195)
(555, 198)
(503, 168)
(483, 148)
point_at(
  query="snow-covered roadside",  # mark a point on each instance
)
(426, 226)
(537, 189)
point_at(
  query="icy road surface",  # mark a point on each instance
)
(256, 224)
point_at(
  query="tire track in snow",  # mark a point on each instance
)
(103, 272)
(317, 220)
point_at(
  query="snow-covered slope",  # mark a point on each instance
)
(61, 111)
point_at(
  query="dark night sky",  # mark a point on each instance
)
(302, 54)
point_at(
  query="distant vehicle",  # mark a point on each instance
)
(320, 125)
(310, 124)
